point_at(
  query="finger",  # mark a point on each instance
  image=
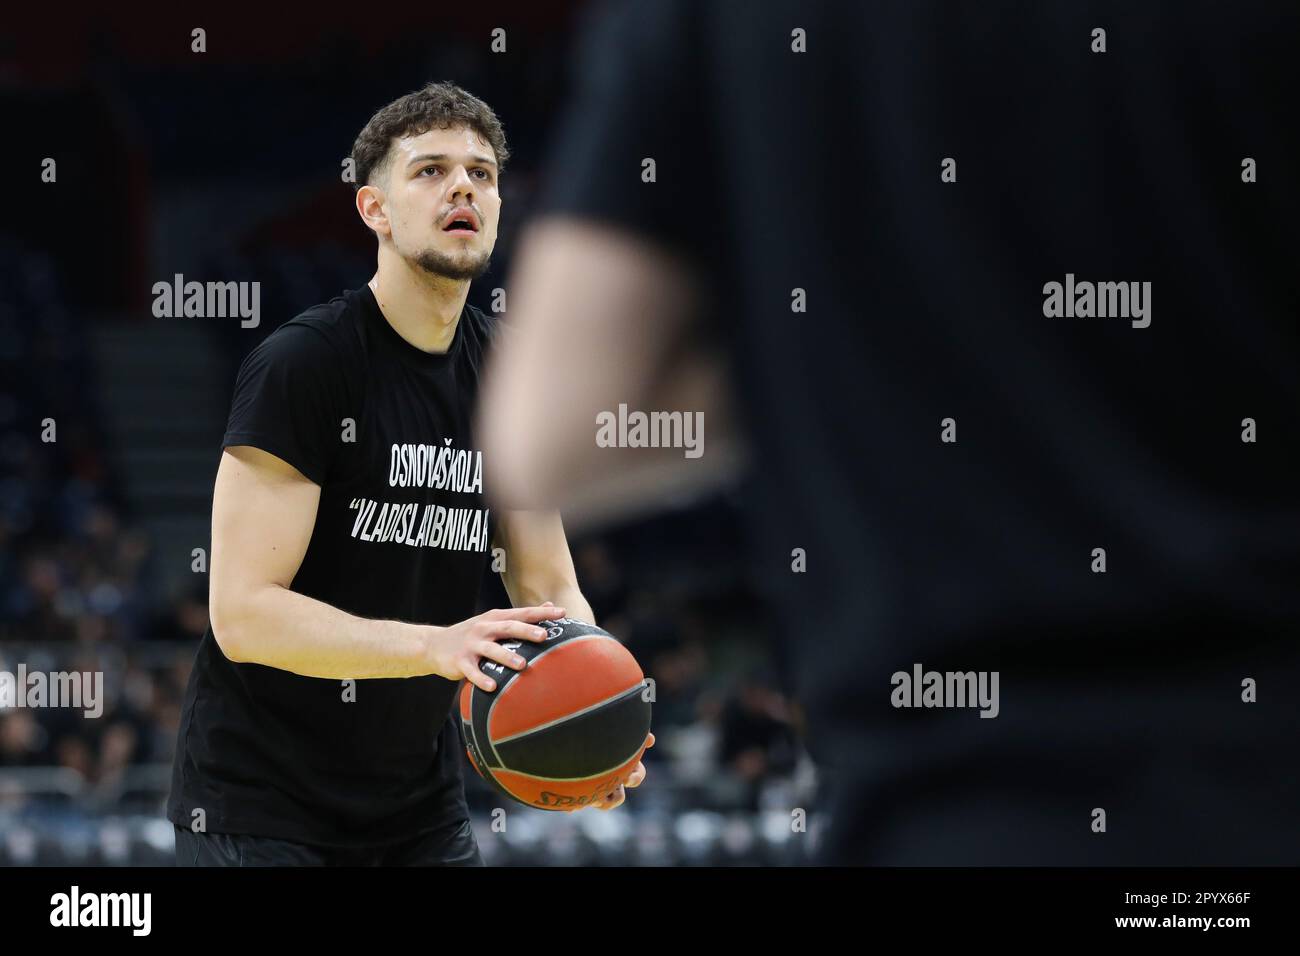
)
(637, 775)
(502, 655)
(516, 630)
(650, 741)
(612, 797)
(530, 615)
(477, 677)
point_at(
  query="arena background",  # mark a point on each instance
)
(226, 166)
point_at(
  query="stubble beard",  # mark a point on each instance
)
(457, 268)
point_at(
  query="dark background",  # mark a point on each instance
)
(225, 166)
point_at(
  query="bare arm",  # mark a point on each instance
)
(538, 565)
(263, 512)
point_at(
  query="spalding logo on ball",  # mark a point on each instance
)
(568, 728)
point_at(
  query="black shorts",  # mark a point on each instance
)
(452, 845)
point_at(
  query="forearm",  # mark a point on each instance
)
(565, 594)
(575, 605)
(280, 628)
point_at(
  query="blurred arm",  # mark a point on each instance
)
(598, 318)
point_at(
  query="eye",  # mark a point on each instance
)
(484, 172)
(426, 169)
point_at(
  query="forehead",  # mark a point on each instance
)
(460, 142)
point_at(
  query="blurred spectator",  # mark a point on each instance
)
(757, 738)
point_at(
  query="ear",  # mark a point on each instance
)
(371, 209)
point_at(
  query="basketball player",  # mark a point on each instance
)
(350, 535)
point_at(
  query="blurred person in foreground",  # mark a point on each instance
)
(979, 480)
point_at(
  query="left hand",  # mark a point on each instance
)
(616, 797)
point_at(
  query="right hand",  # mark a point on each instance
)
(456, 651)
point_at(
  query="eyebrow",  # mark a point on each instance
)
(425, 157)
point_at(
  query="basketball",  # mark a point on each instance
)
(565, 730)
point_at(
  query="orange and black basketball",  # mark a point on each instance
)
(565, 730)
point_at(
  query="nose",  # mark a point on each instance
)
(460, 188)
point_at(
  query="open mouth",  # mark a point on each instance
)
(461, 225)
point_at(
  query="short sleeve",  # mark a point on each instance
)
(289, 400)
(638, 94)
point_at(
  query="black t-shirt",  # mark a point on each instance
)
(822, 171)
(402, 533)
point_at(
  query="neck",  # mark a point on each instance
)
(422, 308)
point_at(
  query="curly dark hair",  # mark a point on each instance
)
(438, 105)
